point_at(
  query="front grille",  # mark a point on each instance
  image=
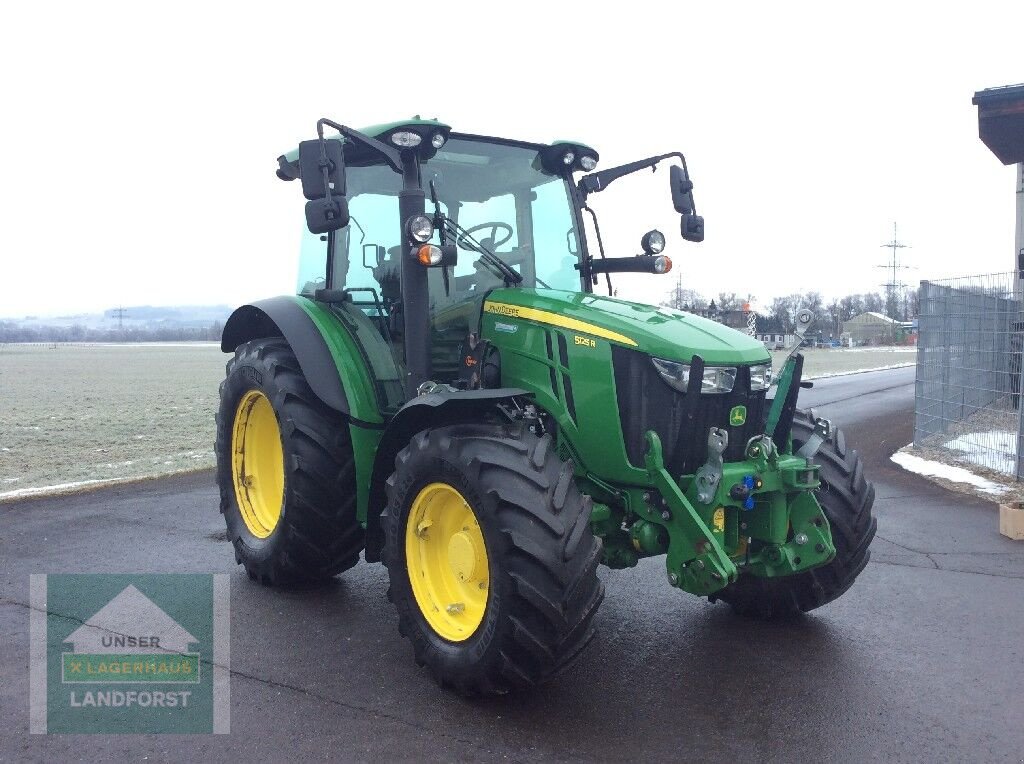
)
(646, 402)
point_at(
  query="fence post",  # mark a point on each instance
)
(1018, 351)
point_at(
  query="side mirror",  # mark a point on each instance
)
(322, 170)
(692, 227)
(682, 190)
(314, 156)
(326, 215)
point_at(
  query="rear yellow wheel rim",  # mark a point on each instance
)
(447, 562)
(257, 464)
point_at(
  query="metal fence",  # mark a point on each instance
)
(968, 392)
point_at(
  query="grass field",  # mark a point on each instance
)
(821, 363)
(74, 413)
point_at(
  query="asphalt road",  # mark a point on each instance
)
(922, 660)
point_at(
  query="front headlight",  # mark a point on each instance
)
(420, 228)
(717, 379)
(760, 377)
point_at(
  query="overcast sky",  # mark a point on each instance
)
(141, 139)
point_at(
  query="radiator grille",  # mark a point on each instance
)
(646, 402)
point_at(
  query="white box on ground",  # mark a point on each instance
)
(1011, 520)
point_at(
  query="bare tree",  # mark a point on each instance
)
(781, 313)
(850, 306)
(911, 304)
(728, 301)
(873, 303)
(681, 298)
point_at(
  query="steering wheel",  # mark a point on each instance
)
(494, 227)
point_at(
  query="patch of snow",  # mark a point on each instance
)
(11, 480)
(50, 488)
(920, 466)
(995, 449)
(860, 371)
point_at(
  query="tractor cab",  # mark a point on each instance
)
(497, 192)
(509, 212)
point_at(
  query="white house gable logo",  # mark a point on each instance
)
(135, 653)
(130, 640)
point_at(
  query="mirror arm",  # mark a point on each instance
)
(599, 181)
(391, 156)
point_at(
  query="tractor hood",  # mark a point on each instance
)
(661, 332)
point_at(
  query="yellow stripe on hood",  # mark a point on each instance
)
(554, 319)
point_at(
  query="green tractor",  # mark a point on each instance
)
(448, 394)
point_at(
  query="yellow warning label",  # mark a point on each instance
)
(718, 520)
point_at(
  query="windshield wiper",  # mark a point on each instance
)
(448, 226)
(503, 269)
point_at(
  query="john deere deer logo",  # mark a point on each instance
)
(738, 416)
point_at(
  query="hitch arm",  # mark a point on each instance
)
(696, 562)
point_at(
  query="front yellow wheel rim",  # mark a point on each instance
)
(447, 561)
(257, 464)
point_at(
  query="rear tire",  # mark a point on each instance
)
(846, 498)
(313, 534)
(539, 566)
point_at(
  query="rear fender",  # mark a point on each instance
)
(330, 360)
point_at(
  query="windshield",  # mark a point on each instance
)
(496, 191)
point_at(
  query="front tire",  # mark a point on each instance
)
(285, 469)
(490, 517)
(846, 497)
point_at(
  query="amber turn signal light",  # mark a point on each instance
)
(428, 255)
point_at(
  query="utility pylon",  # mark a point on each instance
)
(894, 284)
(120, 312)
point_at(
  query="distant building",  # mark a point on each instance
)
(773, 334)
(870, 329)
(777, 340)
(734, 319)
